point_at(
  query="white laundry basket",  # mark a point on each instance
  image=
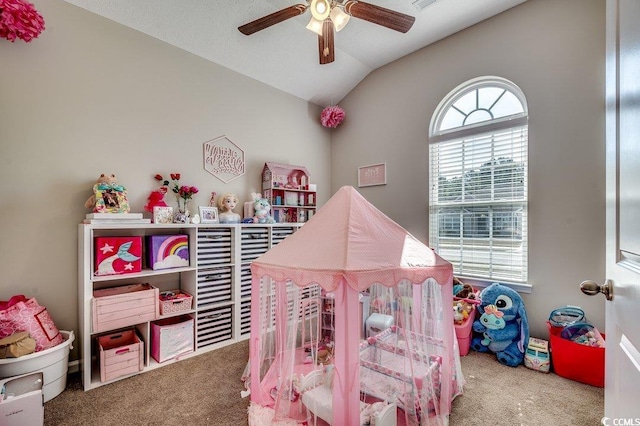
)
(52, 362)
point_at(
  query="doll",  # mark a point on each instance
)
(226, 204)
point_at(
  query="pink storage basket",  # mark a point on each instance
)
(178, 302)
(172, 337)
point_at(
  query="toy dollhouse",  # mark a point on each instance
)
(409, 371)
(289, 191)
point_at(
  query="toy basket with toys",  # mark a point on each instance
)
(577, 348)
(465, 299)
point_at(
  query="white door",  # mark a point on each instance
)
(622, 356)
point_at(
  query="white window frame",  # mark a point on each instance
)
(480, 272)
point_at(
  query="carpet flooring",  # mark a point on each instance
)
(205, 390)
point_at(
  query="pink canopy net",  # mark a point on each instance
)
(351, 324)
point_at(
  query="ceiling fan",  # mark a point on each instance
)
(328, 16)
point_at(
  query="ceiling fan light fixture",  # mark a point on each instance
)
(339, 18)
(315, 26)
(320, 9)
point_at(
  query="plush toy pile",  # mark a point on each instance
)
(502, 327)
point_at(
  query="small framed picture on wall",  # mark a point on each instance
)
(208, 214)
(162, 214)
(374, 174)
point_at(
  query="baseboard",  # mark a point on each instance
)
(74, 367)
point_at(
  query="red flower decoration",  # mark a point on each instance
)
(332, 116)
(184, 193)
(19, 19)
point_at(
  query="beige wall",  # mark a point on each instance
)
(554, 51)
(90, 96)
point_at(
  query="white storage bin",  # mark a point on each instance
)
(21, 403)
(377, 323)
(52, 362)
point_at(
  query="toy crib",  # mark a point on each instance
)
(318, 398)
(395, 367)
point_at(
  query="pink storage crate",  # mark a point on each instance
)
(120, 354)
(172, 337)
(118, 307)
(174, 301)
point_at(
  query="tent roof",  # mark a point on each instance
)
(350, 239)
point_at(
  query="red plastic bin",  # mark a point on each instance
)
(582, 363)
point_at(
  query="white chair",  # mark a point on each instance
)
(318, 398)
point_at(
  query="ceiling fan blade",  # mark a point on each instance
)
(379, 15)
(326, 44)
(272, 19)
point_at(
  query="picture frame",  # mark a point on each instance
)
(372, 175)
(162, 215)
(208, 214)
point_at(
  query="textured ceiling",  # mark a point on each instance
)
(285, 55)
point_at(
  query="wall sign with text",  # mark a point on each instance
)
(224, 159)
(375, 174)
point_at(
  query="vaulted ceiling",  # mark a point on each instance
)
(285, 55)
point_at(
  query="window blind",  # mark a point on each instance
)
(478, 203)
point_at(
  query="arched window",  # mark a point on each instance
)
(478, 180)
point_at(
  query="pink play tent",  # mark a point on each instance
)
(349, 253)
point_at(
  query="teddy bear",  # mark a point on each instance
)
(261, 208)
(462, 290)
(502, 327)
(108, 196)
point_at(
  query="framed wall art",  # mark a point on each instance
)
(371, 175)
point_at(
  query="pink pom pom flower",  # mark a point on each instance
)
(19, 19)
(332, 116)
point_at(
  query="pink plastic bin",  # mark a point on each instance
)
(463, 333)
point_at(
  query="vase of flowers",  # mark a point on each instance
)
(184, 194)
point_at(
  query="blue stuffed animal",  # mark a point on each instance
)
(502, 325)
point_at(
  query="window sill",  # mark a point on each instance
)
(479, 284)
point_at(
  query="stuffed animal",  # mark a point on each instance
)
(261, 208)
(156, 199)
(108, 196)
(461, 312)
(462, 290)
(502, 327)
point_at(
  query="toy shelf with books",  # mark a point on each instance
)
(288, 189)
